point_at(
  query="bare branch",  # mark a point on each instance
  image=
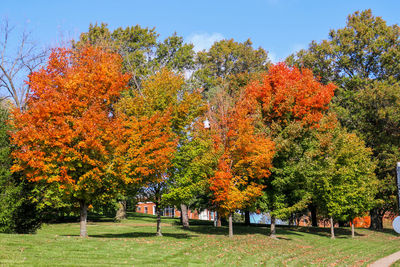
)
(17, 64)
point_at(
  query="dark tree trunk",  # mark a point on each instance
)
(83, 221)
(185, 216)
(121, 212)
(332, 228)
(219, 220)
(376, 219)
(180, 217)
(314, 221)
(158, 212)
(273, 227)
(247, 217)
(291, 220)
(230, 225)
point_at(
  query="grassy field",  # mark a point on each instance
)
(132, 242)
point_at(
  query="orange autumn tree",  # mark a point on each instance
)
(289, 94)
(155, 119)
(246, 156)
(145, 147)
(291, 102)
(65, 134)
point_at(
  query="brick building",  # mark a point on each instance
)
(150, 208)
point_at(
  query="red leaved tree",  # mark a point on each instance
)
(289, 94)
(65, 134)
(246, 156)
(291, 102)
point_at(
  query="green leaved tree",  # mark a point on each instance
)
(142, 52)
(356, 57)
(340, 174)
(231, 64)
(193, 164)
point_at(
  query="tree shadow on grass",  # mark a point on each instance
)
(137, 216)
(138, 235)
(326, 232)
(240, 230)
(283, 232)
(75, 219)
(283, 238)
(389, 231)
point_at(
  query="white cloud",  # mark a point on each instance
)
(273, 57)
(203, 41)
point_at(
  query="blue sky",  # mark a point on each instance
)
(279, 26)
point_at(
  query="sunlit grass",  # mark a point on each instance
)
(132, 242)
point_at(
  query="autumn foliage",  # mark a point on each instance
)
(156, 120)
(151, 120)
(254, 136)
(246, 156)
(65, 134)
(290, 94)
(145, 147)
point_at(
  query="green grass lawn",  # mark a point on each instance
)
(132, 242)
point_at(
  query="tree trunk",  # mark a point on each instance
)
(291, 220)
(158, 212)
(314, 221)
(332, 228)
(84, 207)
(185, 216)
(273, 227)
(230, 225)
(180, 217)
(121, 212)
(376, 219)
(247, 217)
(218, 220)
(352, 229)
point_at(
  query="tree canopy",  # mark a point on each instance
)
(363, 60)
(65, 134)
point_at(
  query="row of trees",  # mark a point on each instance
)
(113, 117)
